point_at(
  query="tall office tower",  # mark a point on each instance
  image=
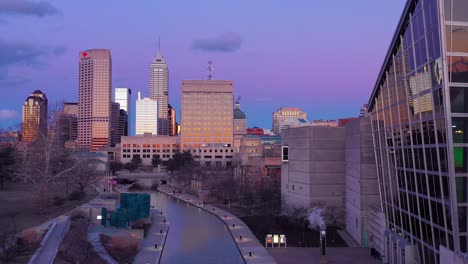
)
(94, 99)
(146, 116)
(35, 114)
(240, 126)
(284, 113)
(171, 113)
(123, 96)
(207, 119)
(419, 118)
(115, 119)
(66, 123)
(159, 90)
(123, 123)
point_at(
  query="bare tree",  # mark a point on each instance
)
(84, 173)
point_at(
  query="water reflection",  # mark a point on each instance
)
(195, 236)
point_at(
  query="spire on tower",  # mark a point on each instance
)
(159, 44)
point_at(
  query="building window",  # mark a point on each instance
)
(292, 186)
(285, 153)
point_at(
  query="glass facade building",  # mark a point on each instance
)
(419, 114)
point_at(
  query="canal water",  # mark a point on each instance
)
(195, 236)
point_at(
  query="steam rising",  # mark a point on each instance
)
(315, 218)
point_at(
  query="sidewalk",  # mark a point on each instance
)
(247, 244)
(156, 235)
(49, 246)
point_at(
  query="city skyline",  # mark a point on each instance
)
(238, 53)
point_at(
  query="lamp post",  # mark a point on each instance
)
(323, 245)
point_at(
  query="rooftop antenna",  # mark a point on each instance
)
(159, 44)
(210, 70)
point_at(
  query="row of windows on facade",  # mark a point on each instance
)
(147, 156)
(218, 124)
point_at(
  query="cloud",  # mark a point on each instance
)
(27, 8)
(23, 54)
(59, 50)
(227, 42)
(6, 114)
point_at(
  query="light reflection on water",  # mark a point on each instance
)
(195, 236)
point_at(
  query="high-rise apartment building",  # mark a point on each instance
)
(419, 118)
(207, 120)
(146, 120)
(35, 114)
(171, 113)
(284, 113)
(94, 99)
(159, 91)
(123, 96)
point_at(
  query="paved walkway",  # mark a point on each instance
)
(49, 245)
(156, 235)
(299, 255)
(347, 238)
(247, 244)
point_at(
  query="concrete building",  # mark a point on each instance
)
(418, 111)
(171, 112)
(207, 121)
(313, 168)
(159, 91)
(146, 118)
(94, 99)
(284, 113)
(148, 147)
(123, 96)
(115, 119)
(35, 115)
(240, 126)
(321, 122)
(361, 181)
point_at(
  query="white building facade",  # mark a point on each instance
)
(146, 120)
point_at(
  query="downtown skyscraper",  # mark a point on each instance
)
(159, 91)
(145, 117)
(419, 120)
(94, 99)
(35, 114)
(123, 96)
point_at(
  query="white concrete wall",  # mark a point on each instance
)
(315, 171)
(361, 179)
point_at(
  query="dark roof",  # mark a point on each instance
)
(238, 114)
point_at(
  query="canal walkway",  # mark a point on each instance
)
(251, 249)
(153, 244)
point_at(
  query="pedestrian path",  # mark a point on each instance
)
(153, 244)
(251, 249)
(49, 245)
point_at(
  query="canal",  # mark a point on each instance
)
(195, 236)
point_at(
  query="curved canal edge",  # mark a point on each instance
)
(252, 251)
(157, 235)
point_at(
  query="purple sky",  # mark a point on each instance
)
(321, 56)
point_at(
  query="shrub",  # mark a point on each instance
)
(76, 196)
(58, 200)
